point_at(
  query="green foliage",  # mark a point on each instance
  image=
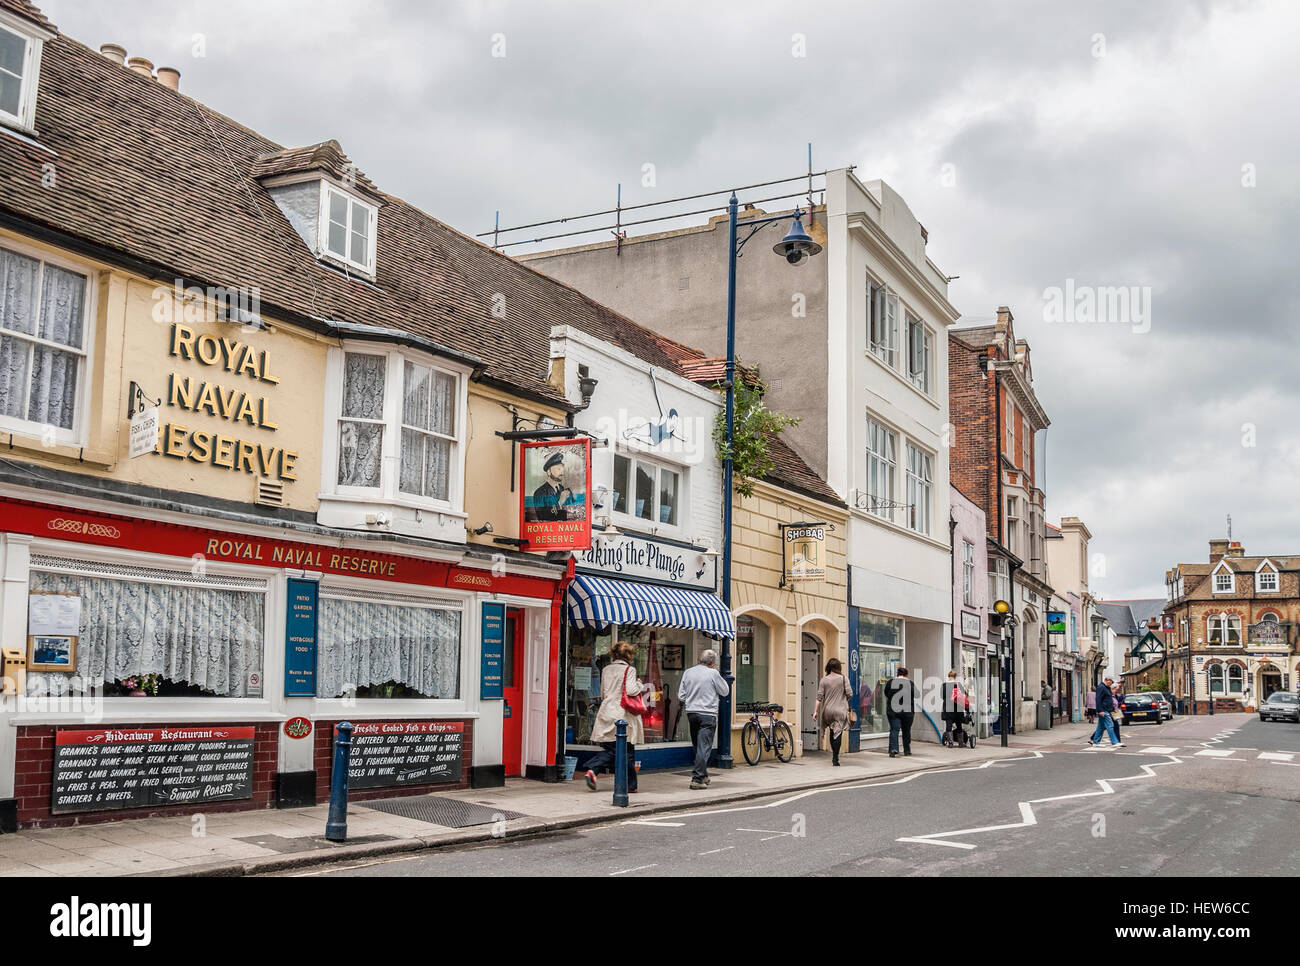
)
(753, 423)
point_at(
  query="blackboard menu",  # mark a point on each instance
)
(386, 753)
(147, 767)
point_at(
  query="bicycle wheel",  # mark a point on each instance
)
(751, 743)
(784, 739)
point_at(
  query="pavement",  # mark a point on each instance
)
(279, 840)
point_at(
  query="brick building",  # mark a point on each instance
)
(995, 415)
(1232, 627)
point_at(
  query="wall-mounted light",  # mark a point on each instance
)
(486, 528)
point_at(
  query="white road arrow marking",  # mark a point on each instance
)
(1027, 810)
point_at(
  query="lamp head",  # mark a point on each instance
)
(797, 246)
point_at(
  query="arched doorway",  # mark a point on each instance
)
(1268, 679)
(810, 665)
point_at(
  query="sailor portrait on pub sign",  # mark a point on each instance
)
(556, 476)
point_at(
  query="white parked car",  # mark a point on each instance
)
(1284, 705)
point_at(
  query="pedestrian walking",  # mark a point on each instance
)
(900, 707)
(1090, 705)
(832, 712)
(1046, 693)
(1105, 719)
(1118, 714)
(616, 680)
(956, 711)
(699, 691)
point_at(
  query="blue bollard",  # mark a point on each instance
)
(620, 763)
(336, 826)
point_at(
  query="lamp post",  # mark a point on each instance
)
(796, 247)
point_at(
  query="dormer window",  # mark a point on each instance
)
(20, 68)
(1266, 579)
(1222, 579)
(347, 230)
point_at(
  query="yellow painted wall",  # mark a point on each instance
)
(818, 607)
(488, 496)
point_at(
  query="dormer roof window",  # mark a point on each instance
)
(332, 205)
(347, 228)
(21, 40)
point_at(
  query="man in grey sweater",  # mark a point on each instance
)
(699, 692)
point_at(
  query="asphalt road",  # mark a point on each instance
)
(1206, 796)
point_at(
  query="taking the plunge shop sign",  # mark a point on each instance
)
(639, 559)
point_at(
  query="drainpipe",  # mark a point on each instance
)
(952, 569)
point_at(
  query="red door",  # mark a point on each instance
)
(512, 684)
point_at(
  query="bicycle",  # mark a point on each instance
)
(775, 735)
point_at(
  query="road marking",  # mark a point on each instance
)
(1160, 750)
(1215, 753)
(716, 851)
(660, 824)
(766, 831)
(637, 869)
(1027, 809)
(1275, 756)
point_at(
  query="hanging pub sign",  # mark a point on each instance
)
(1056, 622)
(803, 551)
(554, 480)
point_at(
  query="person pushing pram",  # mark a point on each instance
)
(956, 714)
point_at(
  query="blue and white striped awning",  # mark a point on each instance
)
(600, 601)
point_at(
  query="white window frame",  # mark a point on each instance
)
(1012, 525)
(1229, 584)
(1010, 447)
(920, 378)
(1266, 569)
(999, 581)
(886, 351)
(1224, 626)
(76, 436)
(629, 517)
(1026, 447)
(25, 119)
(389, 488)
(889, 464)
(968, 573)
(328, 188)
(920, 492)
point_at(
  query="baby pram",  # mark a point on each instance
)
(956, 734)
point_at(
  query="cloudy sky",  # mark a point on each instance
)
(1113, 144)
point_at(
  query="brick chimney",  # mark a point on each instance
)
(1217, 550)
(1004, 316)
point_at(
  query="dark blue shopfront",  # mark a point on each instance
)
(669, 626)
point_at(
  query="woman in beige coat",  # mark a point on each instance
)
(618, 678)
(832, 710)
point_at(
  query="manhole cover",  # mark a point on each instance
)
(449, 812)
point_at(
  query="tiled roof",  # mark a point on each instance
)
(147, 173)
(327, 156)
(27, 10)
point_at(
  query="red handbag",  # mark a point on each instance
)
(632, 704)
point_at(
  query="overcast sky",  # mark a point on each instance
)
(1115, 144)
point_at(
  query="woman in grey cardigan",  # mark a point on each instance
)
(832, 710)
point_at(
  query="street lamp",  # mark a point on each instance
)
(1002, 619)
(796, 248)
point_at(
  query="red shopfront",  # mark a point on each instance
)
(170, 629)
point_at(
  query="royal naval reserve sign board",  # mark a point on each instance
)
(149, 767)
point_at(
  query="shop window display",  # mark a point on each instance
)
(752, 660)
(662, 656)
(880, 653)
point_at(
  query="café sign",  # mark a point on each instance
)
(637, 558)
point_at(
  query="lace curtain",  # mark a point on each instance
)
(428, 408)
(367, 643)
(39, 382)
(361, 443)
(202, 636)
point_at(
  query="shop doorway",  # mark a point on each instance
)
(512, 688)
(1270, 680)
(809, 678)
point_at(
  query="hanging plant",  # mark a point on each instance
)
(754, 422)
